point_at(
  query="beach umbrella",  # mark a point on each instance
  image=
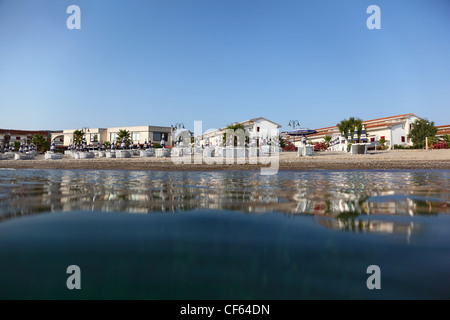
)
(343, 138)
(145, 145)
(150, 144)
(123, 144)
(363, 135)
(349, 139)
(304, 140)
(6, 148)
(53, 147)
(163, 143)
(355, 135)
(301, 132)
(13, 147)
(21, 148)
(26, 149)
(85, 146)
(131, 144)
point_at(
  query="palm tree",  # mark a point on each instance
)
(234, 127)
(40, 142)
(346, 126)
(78, 136)
(281, 141)
(446, 138)
(382, 141)
(327, 139)
(124, 134)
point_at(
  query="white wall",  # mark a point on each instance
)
(397, 132)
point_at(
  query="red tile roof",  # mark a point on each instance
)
(367, 123)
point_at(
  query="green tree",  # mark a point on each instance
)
(382, 142)
(124, 134)
(234, 127)
(107, 145)
(78, 136)
(420, 129)
(281, 141)
(40, 142)
(348, 125)
(446, 138)
(327, 139)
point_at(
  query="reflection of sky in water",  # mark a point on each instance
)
(311, 192)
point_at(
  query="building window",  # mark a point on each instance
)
(113, 137)
(403, 138)
(157, 136)
(94, 137)
(372, 139)
(257, 129)
(135, 136)
(409, 126)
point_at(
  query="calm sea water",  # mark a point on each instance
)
(224, 235)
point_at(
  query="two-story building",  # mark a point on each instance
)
(394, 130)
(261, 128)
(98, 136)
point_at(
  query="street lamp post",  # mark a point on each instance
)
(293, 124)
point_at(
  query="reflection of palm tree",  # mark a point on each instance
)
(124, 134)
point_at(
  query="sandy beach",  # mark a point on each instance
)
(375, 160)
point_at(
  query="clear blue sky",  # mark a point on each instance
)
(161, 62)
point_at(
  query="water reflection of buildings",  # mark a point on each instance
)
(327, 194)
(366, 225)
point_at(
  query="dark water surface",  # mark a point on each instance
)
(224, 235)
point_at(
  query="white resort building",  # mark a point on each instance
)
(261, 128)
(393, 129)
(97, 136)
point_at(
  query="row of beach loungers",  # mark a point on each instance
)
(235, 152)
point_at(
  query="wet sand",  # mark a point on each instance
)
(375, 160)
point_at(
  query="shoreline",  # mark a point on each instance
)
(384, 160)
